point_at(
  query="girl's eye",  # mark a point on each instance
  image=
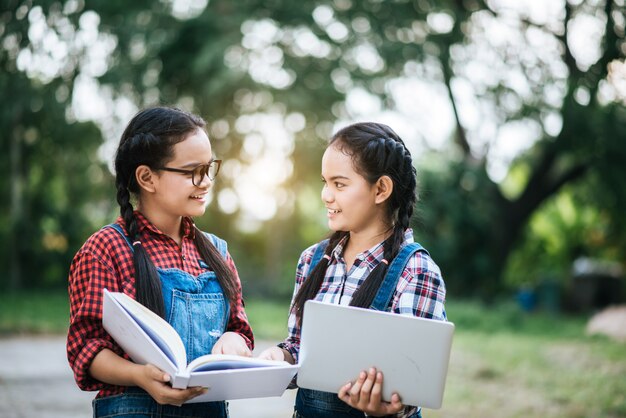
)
(339, 185)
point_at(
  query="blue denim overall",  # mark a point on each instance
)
(198, 311)
(318, 404)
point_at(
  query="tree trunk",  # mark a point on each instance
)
(15, 277)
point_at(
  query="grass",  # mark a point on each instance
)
(504, 363)
(34, 313)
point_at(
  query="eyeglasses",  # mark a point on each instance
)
(197, 174)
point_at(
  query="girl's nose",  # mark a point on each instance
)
(206, 182)
(327, 195)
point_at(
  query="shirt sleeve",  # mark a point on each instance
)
(406, 412)
(86, 336)
(292, 342)
(238, 320)
(421, 290)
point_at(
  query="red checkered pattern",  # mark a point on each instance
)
(105, 261)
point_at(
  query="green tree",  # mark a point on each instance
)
(54, 177)
(514, 69)
(308, 55)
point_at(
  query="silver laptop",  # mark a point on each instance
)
(338, 342)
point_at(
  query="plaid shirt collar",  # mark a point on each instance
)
(148, 228)
(372, 256)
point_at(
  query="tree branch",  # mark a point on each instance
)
(610, 50)
(542, 185)
(460, 136)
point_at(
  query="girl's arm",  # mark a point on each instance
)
(289, 349)
(238, 338)
(90, 272)
(108, 367)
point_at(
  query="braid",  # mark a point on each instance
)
(378, 151)
(148, 140)
(314, 280)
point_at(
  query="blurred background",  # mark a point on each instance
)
(515, 113)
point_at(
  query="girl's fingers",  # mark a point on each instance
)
(356, 388)
(394, 406)
(343, 392)
(377, 389)
(366, 388)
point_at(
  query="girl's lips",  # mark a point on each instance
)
(201, 198)
(332, 212)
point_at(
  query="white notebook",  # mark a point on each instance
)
(338, 342)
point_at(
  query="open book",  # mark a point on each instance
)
(148, 338)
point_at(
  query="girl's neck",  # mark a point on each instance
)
(364, 240)
(167, 224)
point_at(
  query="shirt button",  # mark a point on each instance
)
(184, 258)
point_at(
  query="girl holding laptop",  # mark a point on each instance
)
(369, 190)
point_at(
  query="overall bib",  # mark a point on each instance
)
(198, 311)
(318, 404)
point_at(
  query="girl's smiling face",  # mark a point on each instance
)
(349, 198)
(176, 195)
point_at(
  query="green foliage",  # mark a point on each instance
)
(234, 60)
(55, 181)
(455, 220)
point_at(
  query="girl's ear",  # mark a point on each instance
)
(384, 188)
(145, 178)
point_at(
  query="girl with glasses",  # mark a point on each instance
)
(369, 190)
(154, 253)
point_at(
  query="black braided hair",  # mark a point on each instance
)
(149, 139)
(376, 150)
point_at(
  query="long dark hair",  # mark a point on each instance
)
(149, 139)
(376, 151)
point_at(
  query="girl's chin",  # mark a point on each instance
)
(197, 211)
(335, 226)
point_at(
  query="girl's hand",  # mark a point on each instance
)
(155, 382)
(231, 343)
(273, 353)
(366, 395)
(108, 367)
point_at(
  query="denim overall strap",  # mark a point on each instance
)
(119, 229)
(219, 243)
(388, 286)
(318, 254)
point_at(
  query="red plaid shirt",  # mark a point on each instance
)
(105, 261)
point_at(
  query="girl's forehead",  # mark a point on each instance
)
(195, 145)
(337, 162)
(334, 154)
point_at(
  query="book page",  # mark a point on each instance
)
(225, 362)
(160, 332)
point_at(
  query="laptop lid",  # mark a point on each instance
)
(338, 342)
